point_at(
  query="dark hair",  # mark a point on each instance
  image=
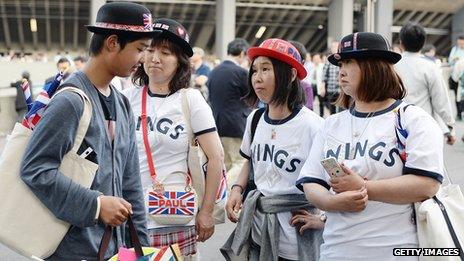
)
(412, 36)
(63, 60)
(237, 46)
(428, 48)
(461, 37)
(25, 74)
(81, 59)
(379, 81)
(286, 91)
(97, 40)
(181, 78)
(301, 49)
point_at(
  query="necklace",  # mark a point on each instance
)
(356, 135)
(274, 126)
(156, 111)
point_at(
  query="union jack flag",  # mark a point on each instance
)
(401, 135)
(27, 93)
(222, 190)
(43, 99)
(147, 21)
(171, 203)
(166, 253)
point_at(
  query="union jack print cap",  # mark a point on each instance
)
(282, 51)
(123, 17)
(175, 32)
(364, 45)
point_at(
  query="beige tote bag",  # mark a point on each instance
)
(28, 227)
(197, 162)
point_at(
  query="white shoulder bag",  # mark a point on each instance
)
(28, 226)
(197, 164)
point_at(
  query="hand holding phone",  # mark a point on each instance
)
(332, 167)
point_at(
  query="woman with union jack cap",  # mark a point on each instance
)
(163, 141)
(276, 144)
(390, 155)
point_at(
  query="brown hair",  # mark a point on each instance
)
(379, 81)
(181, 78)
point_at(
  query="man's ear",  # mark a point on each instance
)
(294, 74)
(112, 44)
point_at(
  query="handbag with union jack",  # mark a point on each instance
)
(174, 206)
(171, 202)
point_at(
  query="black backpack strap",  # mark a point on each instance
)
(254, 122)
(251, 177)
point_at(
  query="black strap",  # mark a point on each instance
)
(254, 122)
(450, 227)
(107, 235)
(251, 177)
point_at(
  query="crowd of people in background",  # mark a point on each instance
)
(322, 77)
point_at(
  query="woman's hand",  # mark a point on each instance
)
(306, 220)
(347, 182)
(349, 201)
(204, 224)
(234, 203)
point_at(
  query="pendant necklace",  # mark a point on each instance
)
(356, 135)
(274, 126)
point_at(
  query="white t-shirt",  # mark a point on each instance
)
(373, 233)
(278, 151)
(167, 134)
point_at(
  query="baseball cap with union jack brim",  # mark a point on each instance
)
(123, 17)
(282, 51)
(175, 32)
(364, 45)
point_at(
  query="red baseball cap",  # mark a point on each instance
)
(282, 51)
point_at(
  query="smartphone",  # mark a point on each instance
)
(332, 167)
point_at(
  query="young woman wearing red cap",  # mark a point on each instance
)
(163, 141)
(275, 212)
(391, 155)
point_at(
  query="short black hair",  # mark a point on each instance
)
(461, 37)
(63, 60)
(97, 40)
(412, 36)
(428, 48)
(81, 59)
(286, 91)
(237, 46)
(301, 49)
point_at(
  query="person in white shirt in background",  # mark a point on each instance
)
(369, 207)
(317, 81)
(424, 81)
(456, 55)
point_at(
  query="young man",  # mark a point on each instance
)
(62, 65)
(121, 34)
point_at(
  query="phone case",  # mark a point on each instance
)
(332, 167)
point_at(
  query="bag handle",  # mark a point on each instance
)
(151, 165)
(84, 122)
(108, 234)
(450, 227)
(186, 112)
